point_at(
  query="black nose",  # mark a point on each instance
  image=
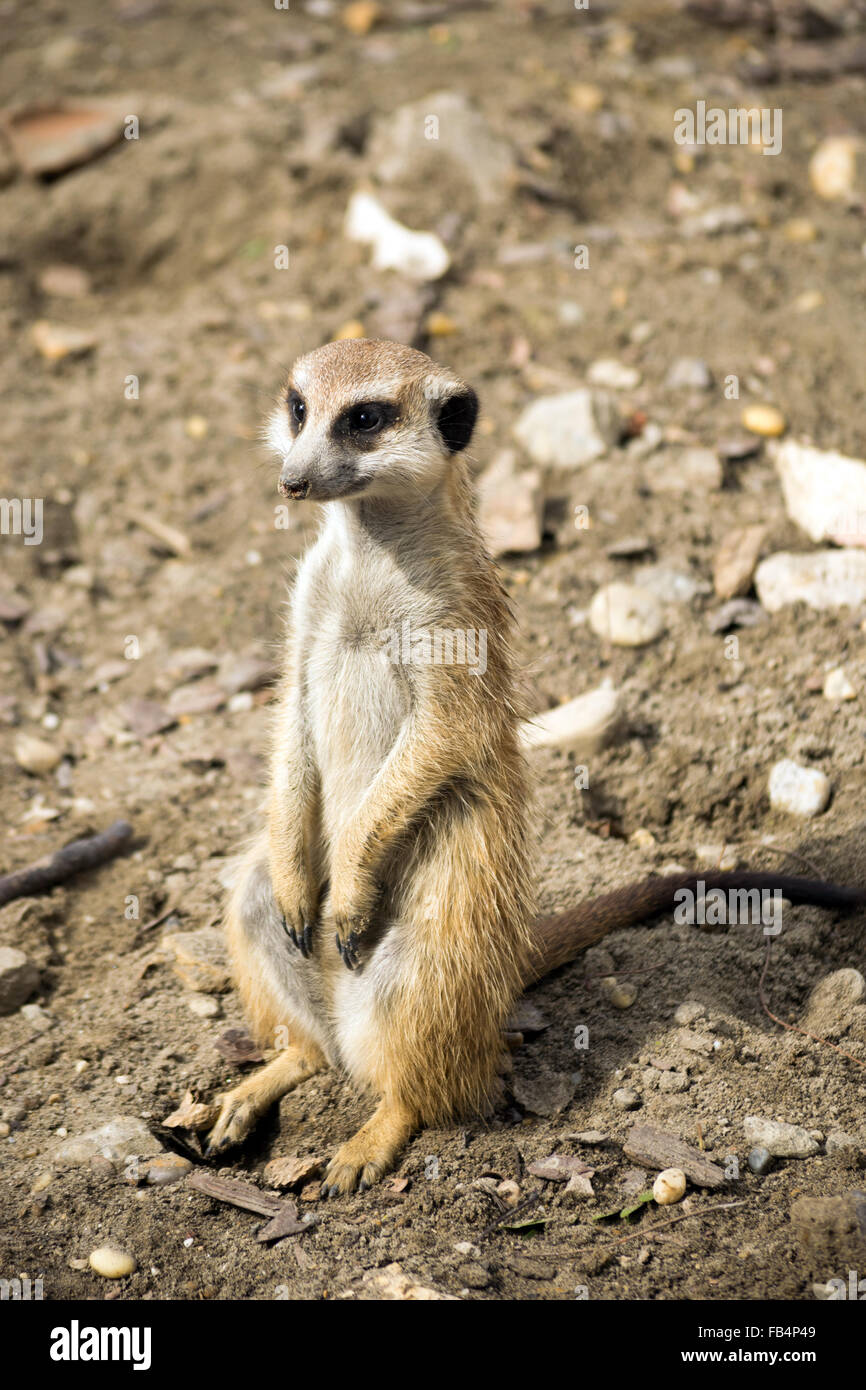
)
(296, 488)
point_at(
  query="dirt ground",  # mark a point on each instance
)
(256, 125)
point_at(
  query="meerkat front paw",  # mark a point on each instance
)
(238, 1115)
(352, 919)
(296, 903)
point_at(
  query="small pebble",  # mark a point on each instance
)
(833, 168)
(626, 1099)
(837, 686)
(204, 1006)
(36, 755)
(760, 1160)
(626, 615)
(621, 996)
(162, 1172)
(112, 1263)
(800, 791)
(764, 420)
(613, 375)
(669, 1186)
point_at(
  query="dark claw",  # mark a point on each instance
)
(363, 1186)
(308, 940)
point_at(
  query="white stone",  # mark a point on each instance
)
(613, 375)
(821, 579)
(669, 1186)
(583, 725)
(833, 168)
(570, 429)
(801, 791)
(111, 1263)
(626, 615)
(36, 755)
(837, 686)
(825, 493)
(418, 255)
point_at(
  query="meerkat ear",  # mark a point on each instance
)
(456, 417)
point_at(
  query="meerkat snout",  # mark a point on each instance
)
(371, 417)
(295, 488)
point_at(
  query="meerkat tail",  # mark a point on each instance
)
(560, 938)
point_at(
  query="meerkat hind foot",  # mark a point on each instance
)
(369, 1154)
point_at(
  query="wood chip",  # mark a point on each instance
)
(237, 1193)
(291, 1171)
(653, 1148)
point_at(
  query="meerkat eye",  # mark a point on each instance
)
(297, 410)
(367, 418)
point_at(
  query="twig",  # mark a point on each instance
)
(647, 1232)
(72, 859)
(14, 1047)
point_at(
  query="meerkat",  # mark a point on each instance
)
(384, 920)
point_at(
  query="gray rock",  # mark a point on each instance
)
(570, 429)
(546, 1093)
(626, 1099)
(689, 1013)
(123, 1137)
(19, 977)
(201, 959)
(670, 585)
(693, 470)
(780, 1139)
(840, 1142)
(401, 144)
(829, 1010)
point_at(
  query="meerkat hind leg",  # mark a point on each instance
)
(364, 1158)
(242, 1107)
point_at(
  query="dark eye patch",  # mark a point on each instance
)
(365, 420)
(297, 411)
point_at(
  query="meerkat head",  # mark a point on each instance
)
(370, 417)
